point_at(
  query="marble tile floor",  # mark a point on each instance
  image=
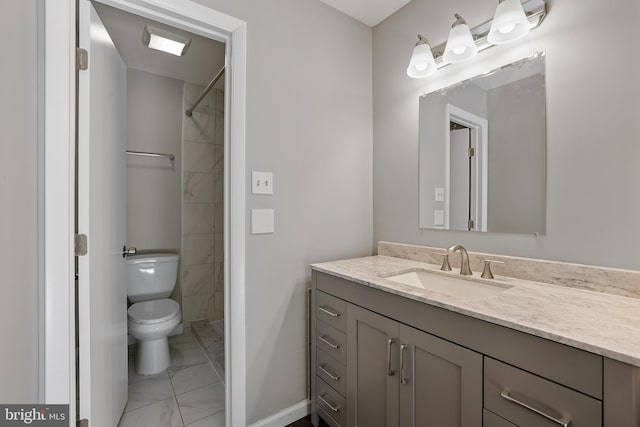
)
(210, 334)
(189, 393)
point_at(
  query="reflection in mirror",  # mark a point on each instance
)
(483, 152)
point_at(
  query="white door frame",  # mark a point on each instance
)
(481, 127)
(59, 349)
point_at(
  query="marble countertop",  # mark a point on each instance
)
(604, 324)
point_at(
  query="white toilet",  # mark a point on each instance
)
(150, 280)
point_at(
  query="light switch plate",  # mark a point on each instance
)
(261, 182)
(262, 221)
(439, 194)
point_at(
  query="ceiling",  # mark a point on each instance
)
(199, 65)
(371, 12)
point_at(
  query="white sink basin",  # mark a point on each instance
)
(463, 287)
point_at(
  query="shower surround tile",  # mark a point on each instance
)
(198, 188)
(198, 279)
(219, 130)
(199, 157)
(198, 218)
(198, 307)
(218, 161)
(198, 249)
(192, 92)
(203, 186)
(201, 127)
(218, 218)
(218, 188)
(219, 102)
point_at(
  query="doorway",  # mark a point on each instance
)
(466, 170)
(58, 222)
(151, 145)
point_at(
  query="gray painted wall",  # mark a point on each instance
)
(19, 192)
(154, 185)
(309, 122)
(154, 194)
(593, 99)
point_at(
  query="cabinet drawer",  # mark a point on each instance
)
(331, 310)
(331, 402)
(332, 341)
(524, 399)
(332, 372)
(489, 419)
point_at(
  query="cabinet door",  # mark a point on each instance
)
(441, 384)
(372, 377)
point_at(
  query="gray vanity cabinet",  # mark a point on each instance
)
(411, 364)
(441, 383)
(372, 371)
(398, 375)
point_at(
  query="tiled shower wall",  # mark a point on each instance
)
(202, 212)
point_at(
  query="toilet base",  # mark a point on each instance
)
(152, 357)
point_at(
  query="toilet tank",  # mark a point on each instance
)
(151, 276)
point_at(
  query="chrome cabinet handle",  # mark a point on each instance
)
(327, 311)
(390, 341)
(333, 377)
(403, 351)
(329, 343)
(563, 421)
(333, 408)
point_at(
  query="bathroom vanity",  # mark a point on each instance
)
(396, 353)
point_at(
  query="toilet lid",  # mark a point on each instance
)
(154, 311)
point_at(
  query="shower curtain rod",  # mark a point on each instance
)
(189, 111)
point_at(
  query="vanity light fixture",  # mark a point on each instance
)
(507, 26)
(165, 41)
(422, 63)
(460, 44)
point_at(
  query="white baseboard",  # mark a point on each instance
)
(286, 416)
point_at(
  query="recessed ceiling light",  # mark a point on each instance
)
(165, 41)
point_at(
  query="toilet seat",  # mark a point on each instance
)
(155, 311)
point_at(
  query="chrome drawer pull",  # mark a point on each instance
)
(333, 408)
(327, 311)
(329, 343)
(564, 422)
(403, 352)
(390, 372)
(333, 377)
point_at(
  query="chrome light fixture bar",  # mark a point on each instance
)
(535, 11)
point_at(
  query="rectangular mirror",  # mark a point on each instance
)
(483, 152)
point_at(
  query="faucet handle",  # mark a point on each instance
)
(486, 271)
(445, 262)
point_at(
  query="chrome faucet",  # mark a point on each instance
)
(465, 270)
